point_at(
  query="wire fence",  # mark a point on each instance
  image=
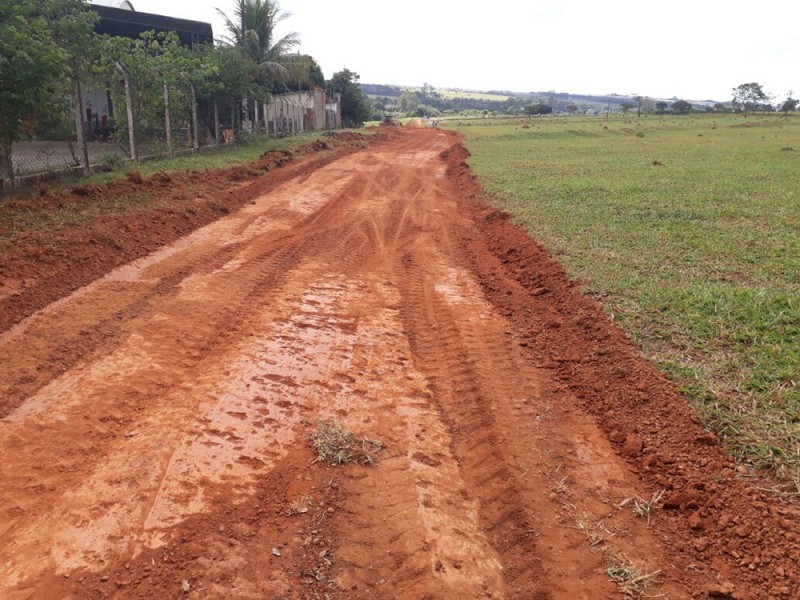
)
(108, 147)
(42, 156)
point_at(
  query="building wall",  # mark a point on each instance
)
(296, 112)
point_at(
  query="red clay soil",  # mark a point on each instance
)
(155, 437)
(42, 264)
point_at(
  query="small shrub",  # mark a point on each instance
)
(111, 161)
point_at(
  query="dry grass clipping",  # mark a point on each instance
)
(643, 508)
(632, 581)
(337, 446)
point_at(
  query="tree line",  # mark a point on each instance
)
(50, 50)
(427, 102)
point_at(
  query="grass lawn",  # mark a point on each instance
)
(688, 230)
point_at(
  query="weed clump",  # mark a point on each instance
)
(337, 446)
(112, 161)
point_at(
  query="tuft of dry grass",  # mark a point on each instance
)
(642, 508)
(562, 486)
(336, 445)
(631, 580)
(634, 581)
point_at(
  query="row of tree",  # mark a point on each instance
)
(49, 51)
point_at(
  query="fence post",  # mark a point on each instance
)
(80, 130)
(6, 163)
(126, 77)
(167, 119)
(216, 121)
(195, 124)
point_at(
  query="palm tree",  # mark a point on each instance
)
(254, 30)
(302, 71)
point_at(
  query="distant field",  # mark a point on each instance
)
(471, 95)
(698, 257)
(450, 94)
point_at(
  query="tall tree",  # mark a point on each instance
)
(197, 69)
(642, 103)
(127, 59)
(172, 67)
(73, 24)
(749, 96)
(789, 105)
(165, 55)
(354, 105)
(407, 102)
(254, 30)
(303, 72)
(232, 80)
(30, 69)
(681, 107)
(538, 109)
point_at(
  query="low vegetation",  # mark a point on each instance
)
(212, 158)
(688, 230)
(632, 581)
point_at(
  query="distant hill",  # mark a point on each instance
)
(454, 99)
(376, 89)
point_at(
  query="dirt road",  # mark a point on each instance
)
(163, 450)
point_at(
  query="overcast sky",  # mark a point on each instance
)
(690, 49)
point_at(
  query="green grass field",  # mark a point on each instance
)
(698, 257)
(448, 94)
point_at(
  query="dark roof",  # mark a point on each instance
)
(129, 23)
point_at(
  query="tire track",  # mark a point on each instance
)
(466, 408)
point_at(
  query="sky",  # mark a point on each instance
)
(694, 50)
